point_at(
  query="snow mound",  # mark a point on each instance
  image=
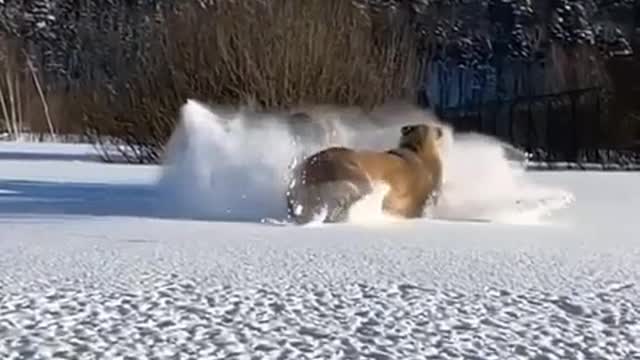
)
(233, 165)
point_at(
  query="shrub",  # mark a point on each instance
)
(275, 54)
(23, 103)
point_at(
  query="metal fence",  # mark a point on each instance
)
(571, 128)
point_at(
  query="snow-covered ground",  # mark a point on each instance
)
(91, 268)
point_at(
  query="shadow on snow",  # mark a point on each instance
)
(29, 198)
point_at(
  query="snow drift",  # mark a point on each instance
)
(233, 165)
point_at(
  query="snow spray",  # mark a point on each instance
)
(234, 164)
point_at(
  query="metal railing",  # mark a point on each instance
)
(570, 128)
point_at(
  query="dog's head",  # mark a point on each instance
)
(421, 137)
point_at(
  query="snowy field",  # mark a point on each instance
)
(92, 266)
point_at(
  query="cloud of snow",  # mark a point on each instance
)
(487, 181)
(233, 165)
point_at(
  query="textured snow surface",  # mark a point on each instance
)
(87, 270)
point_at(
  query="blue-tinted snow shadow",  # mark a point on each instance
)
(63, 198)
(42, 155)
(33, 198)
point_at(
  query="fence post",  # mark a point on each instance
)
(598, 129)
(511, 123)
(530, 128)
(480, 122)
(573, 155)
(548, 141)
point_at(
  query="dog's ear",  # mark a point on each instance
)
(407, 129)
(439, 132)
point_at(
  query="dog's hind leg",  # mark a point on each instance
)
(342, 196)
(303, 205)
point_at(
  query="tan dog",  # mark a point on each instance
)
(337, 177)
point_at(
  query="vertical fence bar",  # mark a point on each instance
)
(530, 127)
(573, 129)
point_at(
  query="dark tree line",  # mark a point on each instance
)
(80, 40)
